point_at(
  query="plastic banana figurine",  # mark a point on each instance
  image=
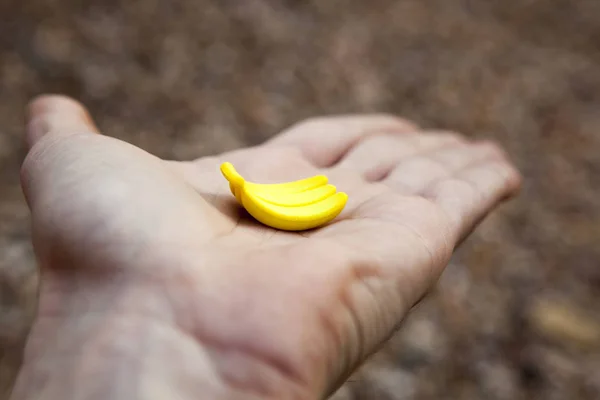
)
(292, 206)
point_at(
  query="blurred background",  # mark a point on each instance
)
(516, 315)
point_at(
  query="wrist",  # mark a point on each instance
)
(128, 356)
(119, 357)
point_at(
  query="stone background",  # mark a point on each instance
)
(516, 314)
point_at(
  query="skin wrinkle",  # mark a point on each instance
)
(139, 279)
(118, 299)
(472, 185)
(420, 239)
(169, 328)
(454, 173)
(362, 354)
(64, 310)
(346, 357)
(285, 370)
(257, 389)
(362, 273)
(456, 181)
(35, 156)
(336, 338)
(356, 277)
(438, 164)
(137, 361)
(269, 236)
(481, 195)
(236, 224)
(357, 209)
(472, 224)
(426, 155)
(99, 342)
(482, 217)
(416, 155)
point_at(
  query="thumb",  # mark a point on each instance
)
(50, 117)
(56, 115)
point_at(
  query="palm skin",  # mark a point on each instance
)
(156, 285)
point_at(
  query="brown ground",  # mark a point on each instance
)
(516, 314)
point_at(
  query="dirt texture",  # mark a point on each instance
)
(515, 316)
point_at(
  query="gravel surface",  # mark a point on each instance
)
(515, 316)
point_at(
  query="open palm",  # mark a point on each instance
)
(153, 260)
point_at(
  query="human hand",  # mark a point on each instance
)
(154, 284)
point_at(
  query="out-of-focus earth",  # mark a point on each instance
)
(516, 315)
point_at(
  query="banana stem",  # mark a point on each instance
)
(231, 174)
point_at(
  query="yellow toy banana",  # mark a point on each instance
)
(292, 206)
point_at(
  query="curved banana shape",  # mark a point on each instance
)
(291, 206)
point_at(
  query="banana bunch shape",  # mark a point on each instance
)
(292, 206)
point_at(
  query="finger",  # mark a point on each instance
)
(375, 156)
(325, 140)
(56, 115)
(414, 175)
(469, 195)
